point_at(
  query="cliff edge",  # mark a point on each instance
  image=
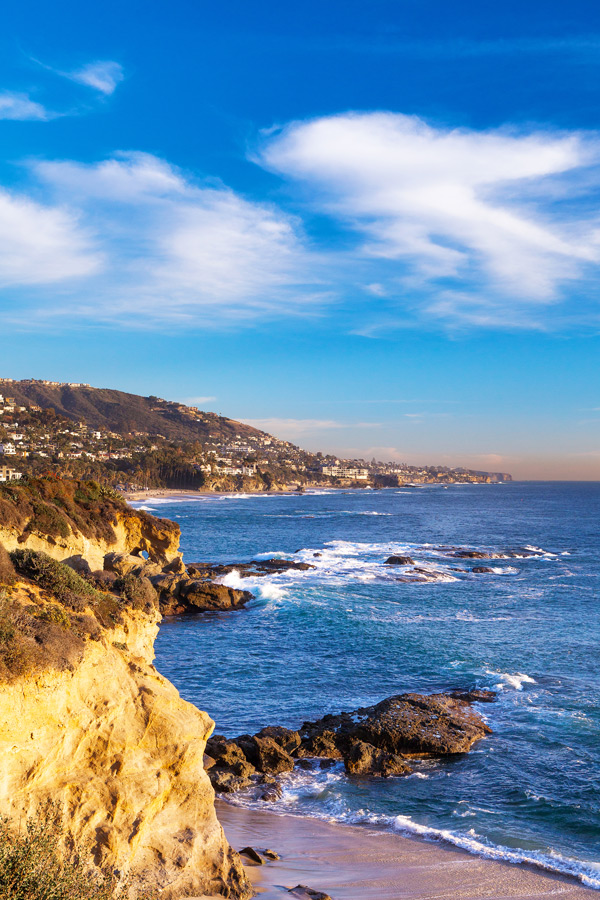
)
(88, 722)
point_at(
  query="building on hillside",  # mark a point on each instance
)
(7, 449)
(8, 474)
(341, 471)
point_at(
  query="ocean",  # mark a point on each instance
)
(349, 633)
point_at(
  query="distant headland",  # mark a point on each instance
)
(133, 443)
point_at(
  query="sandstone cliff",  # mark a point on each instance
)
(86, 719)
(113, 742)
(70, 519)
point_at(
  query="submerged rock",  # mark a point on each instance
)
(306, 893)
(475, 695)
(482, 570)
(253, 569)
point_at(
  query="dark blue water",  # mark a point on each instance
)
(349, 633)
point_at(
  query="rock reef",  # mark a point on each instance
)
(378, 740)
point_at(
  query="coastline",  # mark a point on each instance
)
(177, 494)
(354, 863)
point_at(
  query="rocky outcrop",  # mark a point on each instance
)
(110, 740)
(372, 741)
(254, 569)
(76, 521)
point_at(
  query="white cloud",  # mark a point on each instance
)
(102, 76)
(174, 251)
(462, 208)
(21, 107)
(41, 244)
(197, 401)
(296, 429)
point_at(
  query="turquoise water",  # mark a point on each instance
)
(348, 633)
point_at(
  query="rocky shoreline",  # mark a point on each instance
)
(374, 741)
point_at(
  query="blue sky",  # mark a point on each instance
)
(372, 229)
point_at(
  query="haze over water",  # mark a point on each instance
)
(349, 633)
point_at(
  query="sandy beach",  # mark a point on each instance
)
(353, 863)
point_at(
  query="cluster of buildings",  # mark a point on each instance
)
(223, 448)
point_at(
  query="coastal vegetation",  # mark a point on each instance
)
(38, 862)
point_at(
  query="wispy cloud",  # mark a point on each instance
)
(197, 401)
(102, 76)
(293, 429)
(475, 215)
(42, 244)
(21, 107)
(173, 250)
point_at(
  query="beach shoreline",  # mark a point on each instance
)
(351, 862)
(177, 494)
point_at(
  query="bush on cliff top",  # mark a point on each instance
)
(55, 506)
(32, 866)
(7, 570)
(56, 577)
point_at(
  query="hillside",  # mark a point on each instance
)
(124, 439)
(123, 413)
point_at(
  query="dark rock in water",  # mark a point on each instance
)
(254, 569)
(225, 782)
(271, 757)
(179, 595)
(471, 554)
(286, 738)
(270, 854)
(413, 724)
(251, 856)
(306, 893)
(399, 561)
(204, 595)
(271, 794)
(474, 695)
(228, 755)
(482, 570)
(365, 759)
(372, 741)
(320, 744)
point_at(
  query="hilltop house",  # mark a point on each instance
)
(8, 474)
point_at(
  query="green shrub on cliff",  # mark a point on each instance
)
(32, 866)
(47, 520)
(136, 591)
(56, 577)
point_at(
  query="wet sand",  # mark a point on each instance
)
(352, 863)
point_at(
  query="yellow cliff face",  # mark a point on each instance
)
(114, 743)
(134, 533)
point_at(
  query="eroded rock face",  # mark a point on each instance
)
(115, 745)
(131, 533)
